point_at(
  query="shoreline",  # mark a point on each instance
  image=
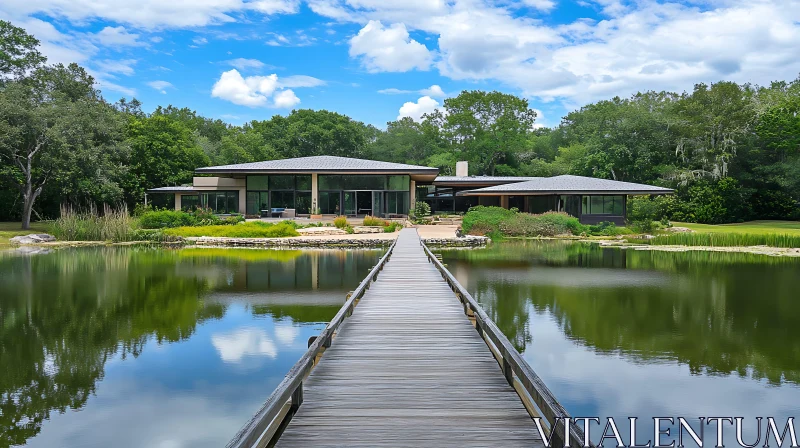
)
(382, 240)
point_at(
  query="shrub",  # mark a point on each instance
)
(233, 219)
(489, 218)
(89, 225)
(371, 221)
(422, 209)
(479, 229)
(246, 230)
(644, 226)
(156, 235)
(340, 222)
(392, 227)
(160, 219)
(206, 217)
(546, 224)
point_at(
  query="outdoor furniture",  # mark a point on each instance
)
(276, 212)
(364, 211)
(288, 213)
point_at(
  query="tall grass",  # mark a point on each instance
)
(114, 224)
(728, 240)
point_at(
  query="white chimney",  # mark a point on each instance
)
(462, 169)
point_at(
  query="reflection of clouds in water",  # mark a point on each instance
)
(234, 346)
(589, 383)
(286, 333)
(155, 418)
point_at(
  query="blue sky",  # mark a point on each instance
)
(375, 60)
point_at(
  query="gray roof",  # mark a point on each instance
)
(568, 184)
(320, 164)
(177, 189)
(488, 180)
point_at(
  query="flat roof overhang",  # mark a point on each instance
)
(560, 192)
(416, 175)
(173, 190)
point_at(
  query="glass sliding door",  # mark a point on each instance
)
(363, 202)
(349, 202)
(377, 203)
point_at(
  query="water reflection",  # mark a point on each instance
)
(94, 330)
(640, 333)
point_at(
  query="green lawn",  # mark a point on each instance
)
(750, 227)
(11, 229)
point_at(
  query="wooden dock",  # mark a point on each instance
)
(407, 368)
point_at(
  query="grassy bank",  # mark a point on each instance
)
(750, 227)
(244, 230)
(9, 230)
(721, 239)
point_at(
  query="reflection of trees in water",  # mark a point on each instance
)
(64, 314)
(719, 313)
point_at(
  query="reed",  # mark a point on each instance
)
(113, 224)
(728, 240)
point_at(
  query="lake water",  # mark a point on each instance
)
(124, 347)
(625, 333)
(133, 347)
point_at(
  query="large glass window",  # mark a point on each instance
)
(257, 201)
(330, 182)
(303, 183)
(257, 182)
(190, 202)
(329, 202)
(603, 205)
(303, 202)
(281, 183)
(221, 202)
(397, 202)
(282, 199)
(399, 183)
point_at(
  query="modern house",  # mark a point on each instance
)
(358, 187)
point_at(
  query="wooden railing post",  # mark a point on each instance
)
(507, 372)
(297, 398)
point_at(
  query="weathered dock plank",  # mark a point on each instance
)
(409, 369)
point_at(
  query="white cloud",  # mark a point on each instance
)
(286, 99)
(432, 91)
(260, 91)
(233, 347)
(105, 86)
(275, 6)
(123, 66)
(543, 5)
(638, 46)
(161, 86)
(424, 105)
(117, 36)
(301, 81)
(200, 40)
(389, 49)
(156, 39)
(149, 14)
(245, 64)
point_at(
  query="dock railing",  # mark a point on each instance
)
(287, 397)
(535, 396)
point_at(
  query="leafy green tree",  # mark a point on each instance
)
(18, 51)
(163, 152)
(308, 132)
(51, 121)
(489, 128)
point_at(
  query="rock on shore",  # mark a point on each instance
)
(33, 238)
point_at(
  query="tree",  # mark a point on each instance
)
(313, 133)
(18, 51)
(45, 119)
(163, 153)
(489, 127)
